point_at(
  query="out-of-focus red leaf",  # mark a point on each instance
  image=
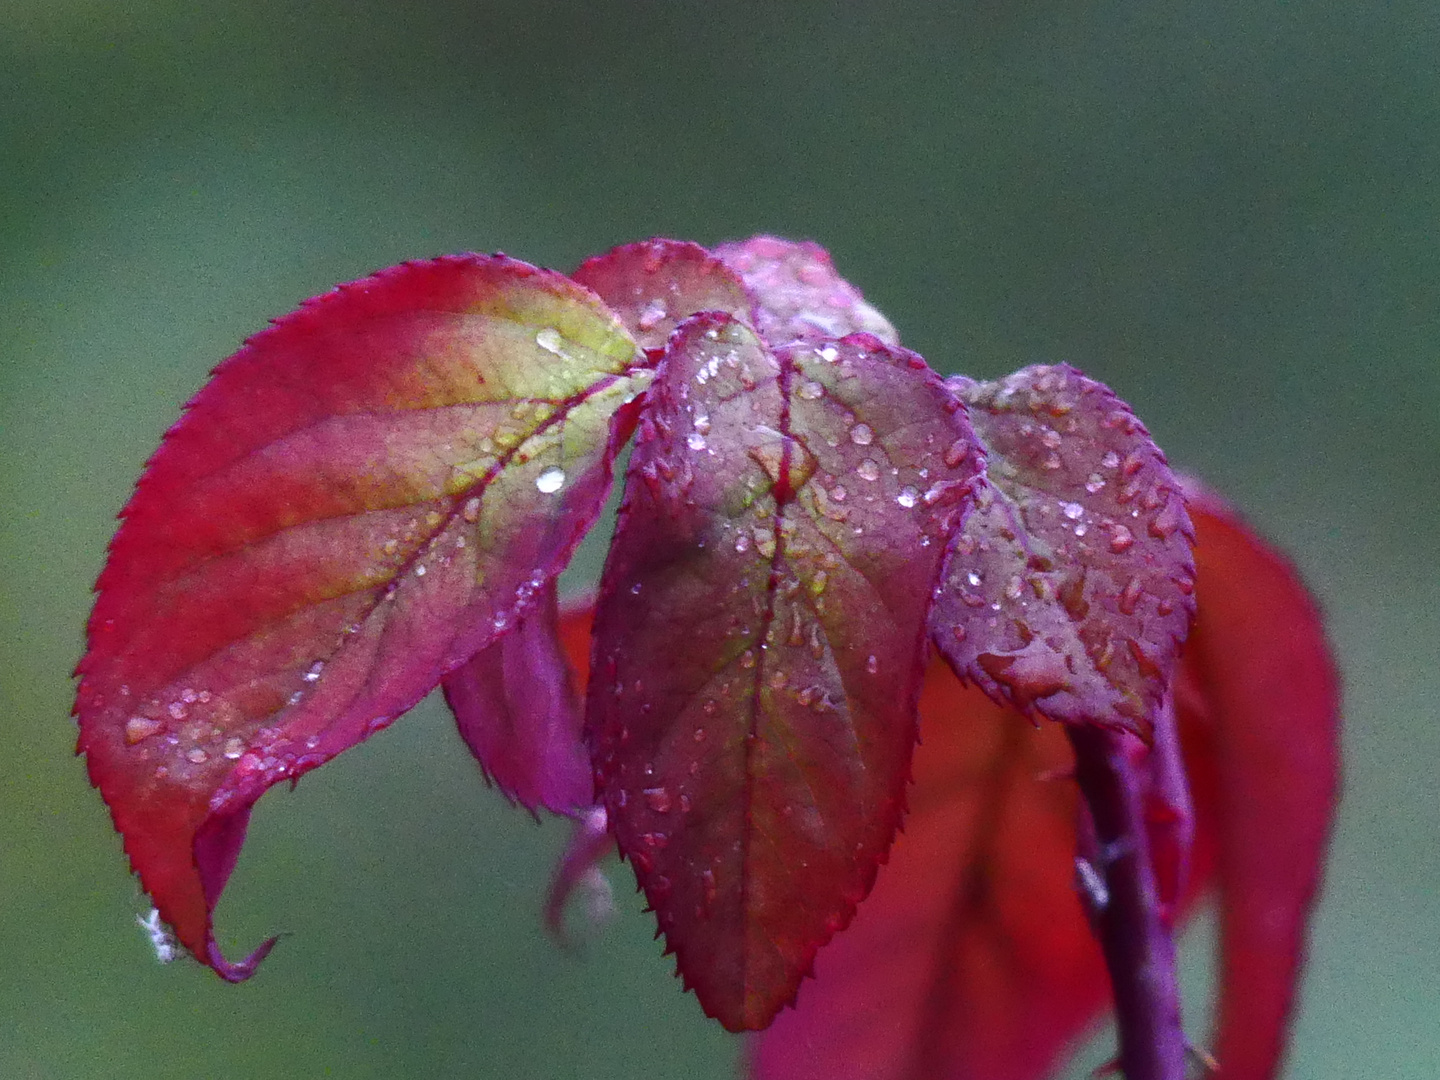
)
(517, 709)
(655, 285)
(759, 642)
(362, 498)
(1070, 587)
(1271, 701)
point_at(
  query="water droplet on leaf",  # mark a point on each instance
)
(550, 481)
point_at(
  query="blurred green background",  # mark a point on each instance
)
(1228, 211)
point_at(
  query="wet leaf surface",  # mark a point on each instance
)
(1072, 582)
(797, 295)
(362, 498)
(655, 285)
(759, 643)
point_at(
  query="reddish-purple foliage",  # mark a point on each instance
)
(375, 497)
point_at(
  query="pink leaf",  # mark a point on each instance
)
(759, 642)
(796, 294)
(1071, 584)
(655, 285)
(518, 712)
(361, 499)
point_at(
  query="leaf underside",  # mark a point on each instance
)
(366, 495)
(758, 642)
(517, 710)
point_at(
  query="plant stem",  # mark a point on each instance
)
(1126, 913)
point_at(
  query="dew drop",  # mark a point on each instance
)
(177, 710)
(811, 390)
(1073, 511)
(550, 481)
(695, 441)
(747, 659)
(778, 680)
(1121, 539)
(651, 315)
(828, 353)
(315, 669)
(956, 452)
(1050, 439)
(1163, 525)
(1111, 459)
(1051, 463)
(471, 510)
(657, 799)
(550, 340)
(872, 665)
(138, 728)
(1130, 596)
(196, 756)
(1094, 483)
(234, 747)
(655, 839)
(838, 493)
(862, 435)
(742, 542)
(420, 570)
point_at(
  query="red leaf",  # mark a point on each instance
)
(360, 499)
(1271, 707)
(759, 640)
(655, 285)
(797, 295)
(1070, 586)
(517, 710)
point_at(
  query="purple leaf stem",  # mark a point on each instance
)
(1124, 904)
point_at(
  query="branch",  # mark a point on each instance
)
(1119, 889)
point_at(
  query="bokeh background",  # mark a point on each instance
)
(1227, 210)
